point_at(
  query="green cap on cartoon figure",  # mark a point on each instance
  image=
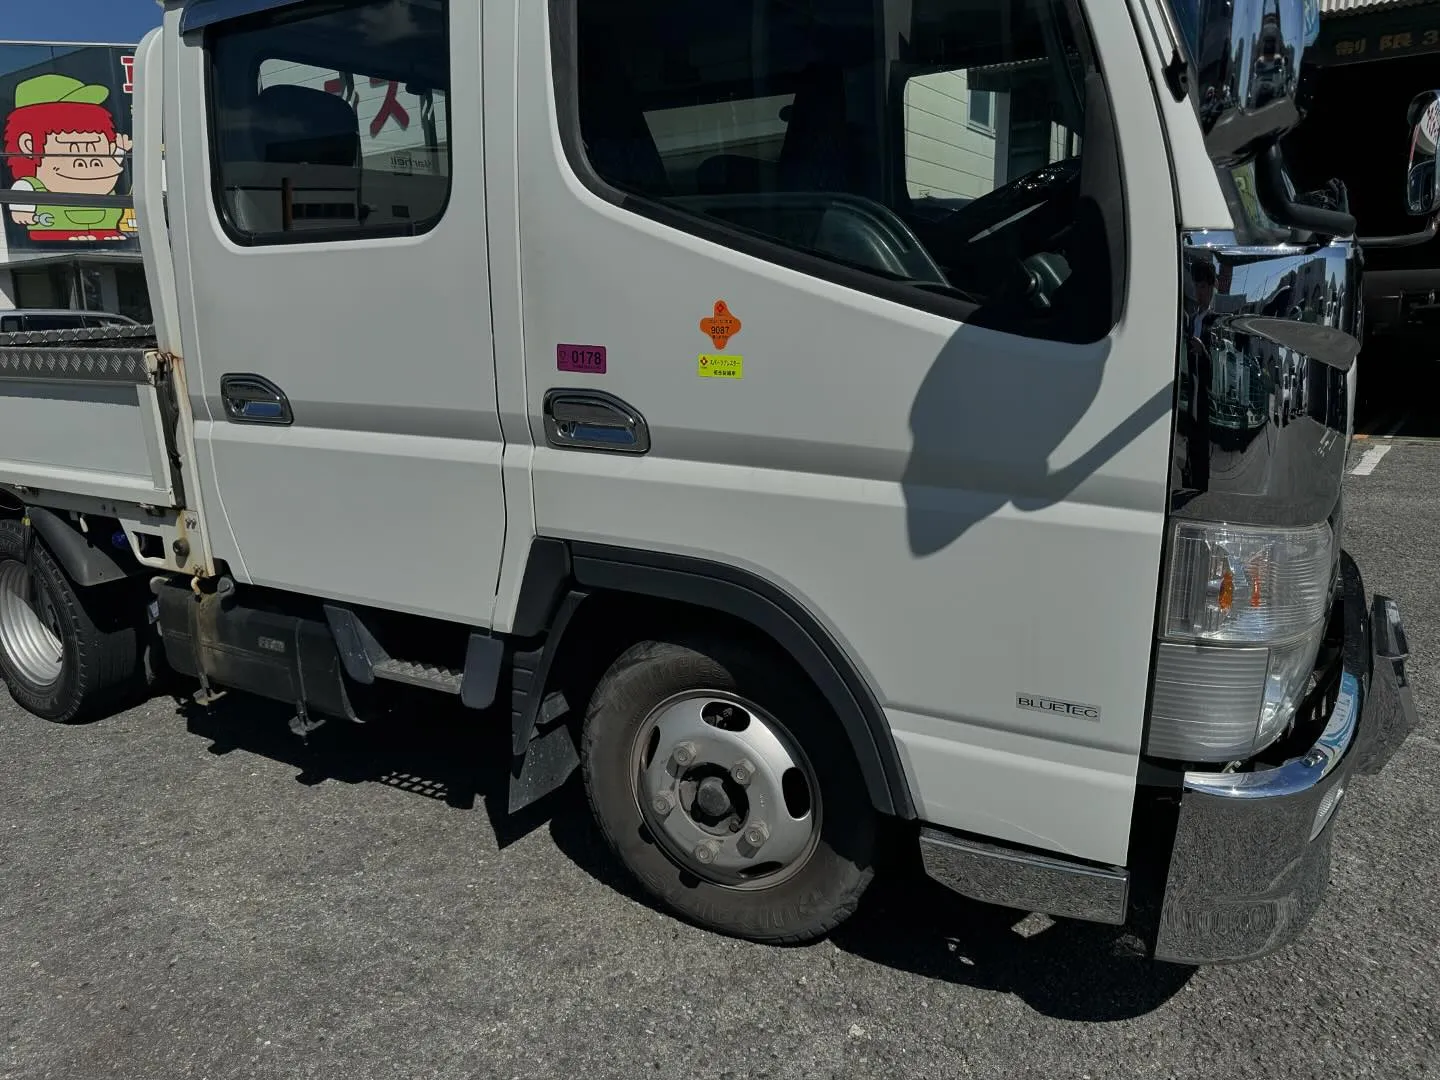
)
(50, 89)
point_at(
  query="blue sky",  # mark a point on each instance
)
(119, 21)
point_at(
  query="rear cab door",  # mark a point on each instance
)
(337, 318)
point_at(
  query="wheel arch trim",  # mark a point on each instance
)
(770, 609)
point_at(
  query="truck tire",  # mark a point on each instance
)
(62, 655)
(723, 782)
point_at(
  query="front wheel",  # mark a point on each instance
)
(63, 656)
(725, 785)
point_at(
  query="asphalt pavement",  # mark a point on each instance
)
(198, 894)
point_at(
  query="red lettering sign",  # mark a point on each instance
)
(343, 86)
(128, 63)
(390, 108)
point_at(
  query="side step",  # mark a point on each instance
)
(429, 676)
(366, 660)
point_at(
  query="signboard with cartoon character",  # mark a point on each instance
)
(67, 130)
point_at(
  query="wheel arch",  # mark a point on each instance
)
(555, 568)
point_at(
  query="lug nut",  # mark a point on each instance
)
(685, 754)
(742, 771)
(663, 803)
(705, 853)
(757, 834)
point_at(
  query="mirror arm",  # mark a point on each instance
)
(1414, 239)
(1270, 175)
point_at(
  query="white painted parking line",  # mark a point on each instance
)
(1371, 458)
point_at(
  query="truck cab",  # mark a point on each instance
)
(797, 419)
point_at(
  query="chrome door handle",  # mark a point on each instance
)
(254, 399)
(594, 420)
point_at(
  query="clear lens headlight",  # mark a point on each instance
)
(1245, 613)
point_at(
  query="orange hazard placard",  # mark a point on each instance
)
(722, 326)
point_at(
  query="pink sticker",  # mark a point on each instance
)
(586, 359)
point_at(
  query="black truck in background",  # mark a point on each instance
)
(1357, 132)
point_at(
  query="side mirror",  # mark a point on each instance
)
(1422, 196)
(1251, 77)
(1248, 56)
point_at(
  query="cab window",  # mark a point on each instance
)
(331, 120)
(928, 150)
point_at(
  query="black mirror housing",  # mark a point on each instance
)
(1422, 197)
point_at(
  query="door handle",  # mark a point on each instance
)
(254, 399)
(594, 420)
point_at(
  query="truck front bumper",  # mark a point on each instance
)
(1252, 850)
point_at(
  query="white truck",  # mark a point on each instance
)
(797, 413)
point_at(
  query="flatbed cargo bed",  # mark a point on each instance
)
(85, 412)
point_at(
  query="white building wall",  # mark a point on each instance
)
(751, 127)
(947, 155)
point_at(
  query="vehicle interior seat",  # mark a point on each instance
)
(310, 139)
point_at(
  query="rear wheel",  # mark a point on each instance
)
(724, 784)
(64, 655)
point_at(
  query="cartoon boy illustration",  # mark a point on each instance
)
(61, 138)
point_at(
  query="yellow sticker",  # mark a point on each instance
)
(716, 366)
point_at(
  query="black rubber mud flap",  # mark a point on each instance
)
(84, 562)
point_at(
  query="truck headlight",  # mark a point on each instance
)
(1244, 615)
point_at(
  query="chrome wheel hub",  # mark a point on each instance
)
(725, 790)
(29, 627)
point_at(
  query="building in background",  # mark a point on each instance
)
(66, 117)
(1371, 58)
(968, 132)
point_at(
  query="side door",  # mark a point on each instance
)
(331, 228)
(900, 317)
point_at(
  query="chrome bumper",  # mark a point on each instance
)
(1252, 850)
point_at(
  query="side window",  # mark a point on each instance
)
(331, 120)
(929, 150)
(10, 324)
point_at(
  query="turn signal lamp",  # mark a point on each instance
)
(1244, 616)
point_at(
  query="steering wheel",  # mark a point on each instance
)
(1013, 227)
(1021, 194)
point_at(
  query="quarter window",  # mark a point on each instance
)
(930, 148)
(331, 120)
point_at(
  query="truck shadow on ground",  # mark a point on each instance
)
(1066, 970)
